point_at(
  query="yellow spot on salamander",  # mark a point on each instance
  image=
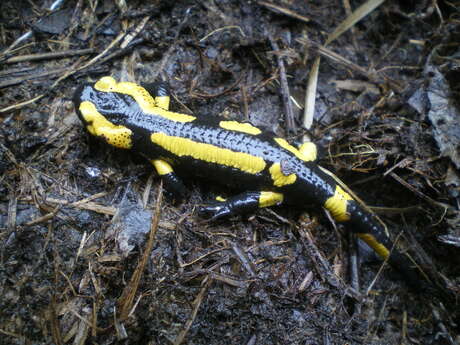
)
(279, 178)
(178, 117)
(162, 102)
(309, 151)
(142, 97)
(337, 204)
(221, 199)
(98, 125)
(299, 154)
(162, 167)
(209, 153)
(379, 248)
(240, 127)
(268, 199)
(106, 84)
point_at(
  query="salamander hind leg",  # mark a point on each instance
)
(240, 204)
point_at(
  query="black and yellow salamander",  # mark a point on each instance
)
(270, 170)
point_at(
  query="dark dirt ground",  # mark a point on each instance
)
(76, 266)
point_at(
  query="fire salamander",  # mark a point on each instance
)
(272, 171)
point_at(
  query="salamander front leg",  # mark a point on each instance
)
(171, 182)
(160, 91)
(240, 204)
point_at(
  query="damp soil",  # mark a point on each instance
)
(80, 261)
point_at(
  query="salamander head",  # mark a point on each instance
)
(101, 100)
(105, 111)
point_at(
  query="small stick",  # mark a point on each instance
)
(420, 194)
(15, 81)
(50, 55)
(333, 56)
(282, 10)
(127, 297)
(289, 114)
(197, 302)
